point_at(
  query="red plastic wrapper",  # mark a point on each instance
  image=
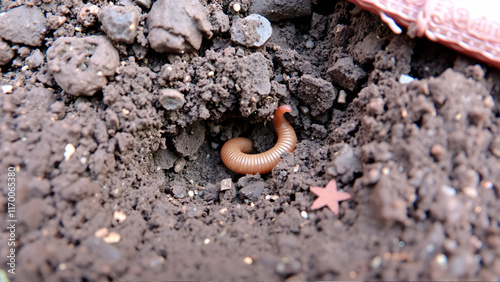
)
(470, 27)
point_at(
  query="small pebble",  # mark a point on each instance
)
(237, 7)
(248, 260)
(304, 214)
(112, 238)
(342, 97)
(309, 44)
(442, 260)
(437, 150)
(171, 99)
(101, 232)
(252, 31)
(376, 262)
(226, 184)
(7, 89)
(119, 216)
(69, 150)
(405, 79)
(448, 190)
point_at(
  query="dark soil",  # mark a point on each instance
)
(112, 186)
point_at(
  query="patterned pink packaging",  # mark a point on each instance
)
(468, 26)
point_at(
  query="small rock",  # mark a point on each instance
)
(405, 79)
(119, 216)
(23, 51)
(101, 232)
(6, 54)
(81, 65)
(342, 97)
(252, 191)
(316, 93)
(228, 191)
(226, 184)
(177, 26)
(179, 165)
(345, 74)
(23, 24)
(211, 192)
(171, 99)
(276, 10)
(112, 238)
(35, 59)
(179, 190)
(252, 31)
(120, 23)
(309, 44)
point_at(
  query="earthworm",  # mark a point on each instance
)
(235, 151)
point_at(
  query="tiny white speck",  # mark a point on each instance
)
(69, 150)
(304, 214)
(7, 89)
(442, 260)
(405, 79)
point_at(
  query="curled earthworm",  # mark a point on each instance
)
(235, 151)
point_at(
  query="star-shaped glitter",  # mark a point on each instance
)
(329, 196)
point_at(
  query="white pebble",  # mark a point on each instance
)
(7, 89)
(304, 214)
(442, 260)
(342, 97)
(69, 150)
(405, 79)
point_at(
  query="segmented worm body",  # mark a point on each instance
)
(235, 151)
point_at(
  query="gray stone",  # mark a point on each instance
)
(252, 191)
(345, 74)
(252, 31)
(171, 99)
(120, 23)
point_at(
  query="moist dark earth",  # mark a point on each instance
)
(113, 113)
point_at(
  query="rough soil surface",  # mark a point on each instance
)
(127, 183)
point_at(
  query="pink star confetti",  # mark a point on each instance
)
(329, 196)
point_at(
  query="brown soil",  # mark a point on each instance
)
(140, 197)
